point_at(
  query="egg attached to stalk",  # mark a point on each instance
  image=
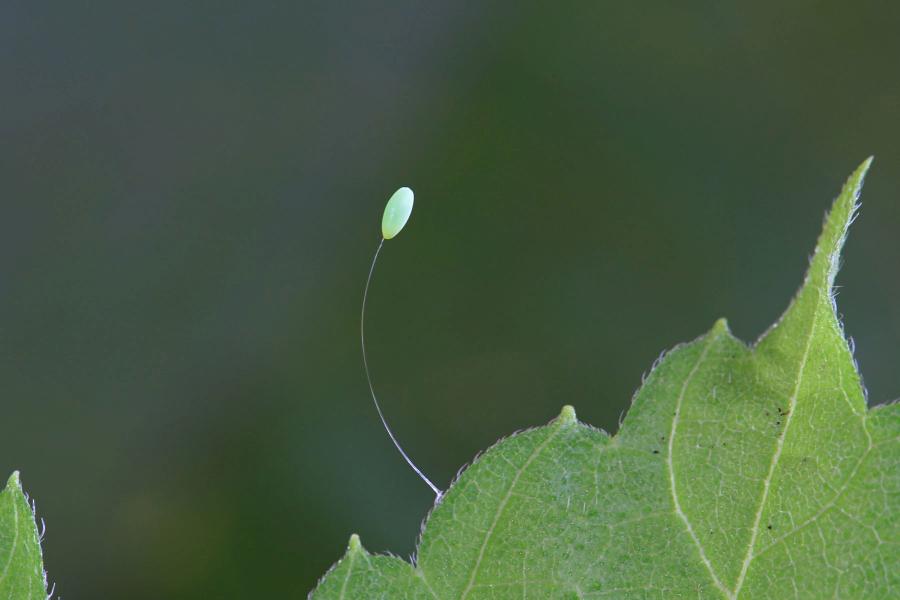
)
(397, 212)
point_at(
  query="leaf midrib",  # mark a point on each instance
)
(776, 457)
(12, 550)
(840, 492)
(347, 577)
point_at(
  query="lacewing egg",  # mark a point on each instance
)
(397, 212)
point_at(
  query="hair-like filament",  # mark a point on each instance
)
(362, 339)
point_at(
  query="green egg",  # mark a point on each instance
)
(397, 212)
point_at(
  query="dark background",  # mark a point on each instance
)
(191, 196)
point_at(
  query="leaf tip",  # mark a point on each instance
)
(818, 286)
(721, 326)
(838, 220)
(567, 415)
(354, 545)
(14, 482)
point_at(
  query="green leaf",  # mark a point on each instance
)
(21, 566)
(739, 472)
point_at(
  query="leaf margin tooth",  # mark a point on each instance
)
(566, 416)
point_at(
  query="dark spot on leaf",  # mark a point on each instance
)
(656, 452)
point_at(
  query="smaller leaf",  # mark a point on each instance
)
(21, 566)
(363, 575)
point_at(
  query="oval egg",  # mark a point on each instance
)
(397, 212)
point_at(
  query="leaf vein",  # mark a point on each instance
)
(670, 467)
(15, 542)
(349, 573)
(501, 507)
(838, 493)
(779, 446)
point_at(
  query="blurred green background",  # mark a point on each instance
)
(191, 196)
